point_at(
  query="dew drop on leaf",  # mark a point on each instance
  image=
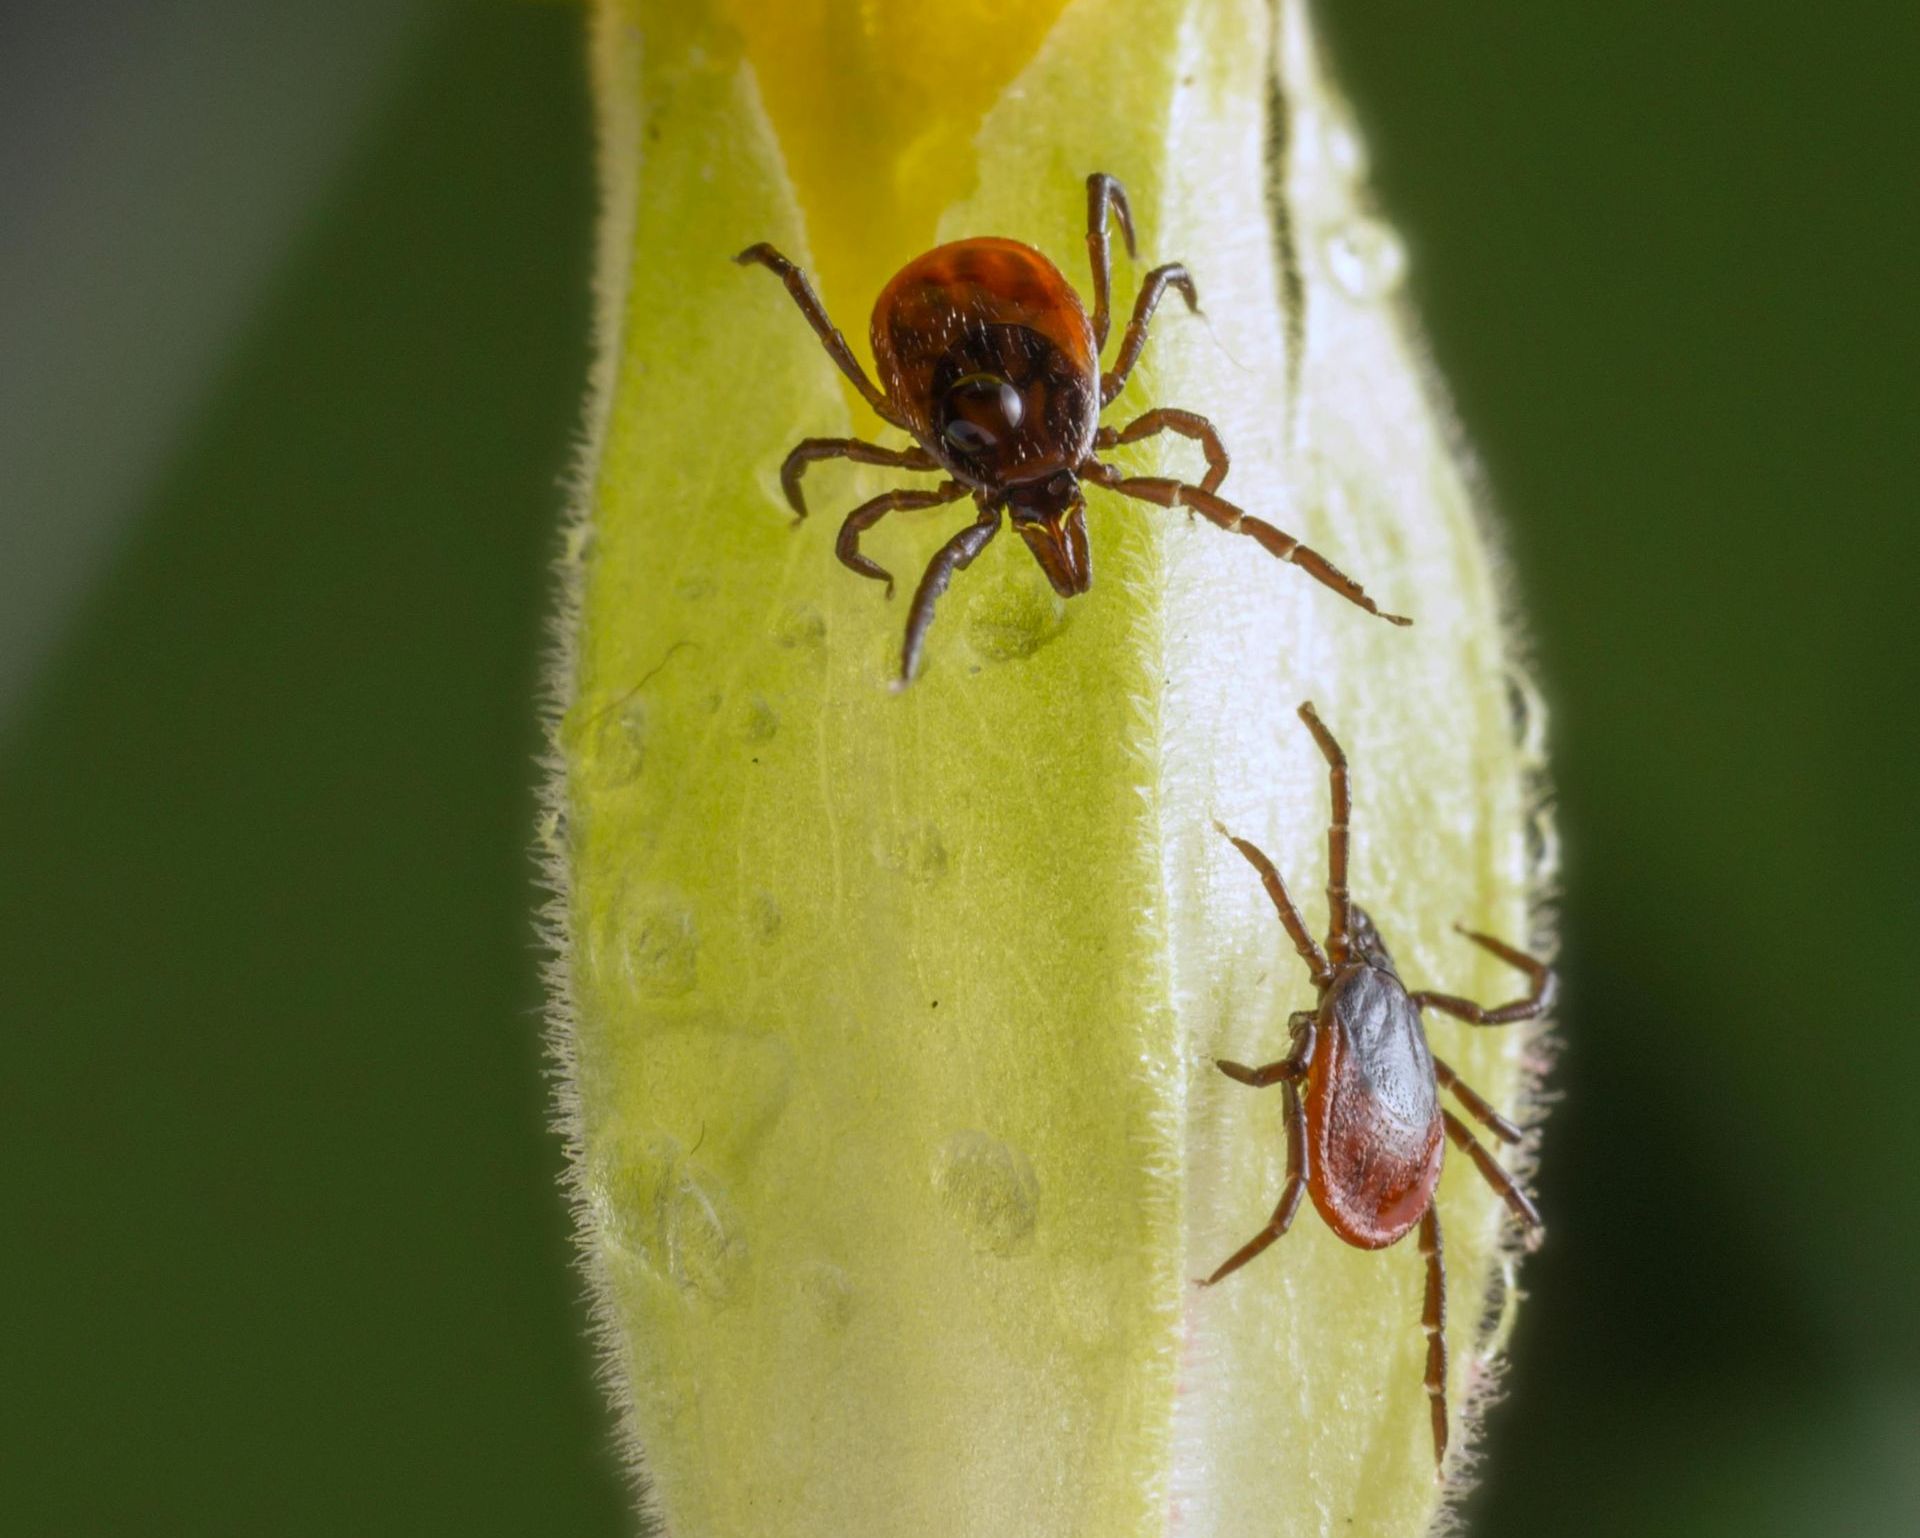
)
(989, 1188)
(606, 740)
(757, 720)
(648, 944)
(764, 916)
(1009, 620)
(1366, 258)
(827, 1292)
(675, 1218)
(1543, 848)
(801, 624)
(916, 852)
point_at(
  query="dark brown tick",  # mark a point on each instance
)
(1369, 1143)
(992, 364)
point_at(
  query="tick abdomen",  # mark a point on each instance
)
(1373, 1111)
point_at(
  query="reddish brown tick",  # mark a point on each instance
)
(1369, 1143)
(991, 363)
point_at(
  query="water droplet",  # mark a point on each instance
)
(1527, 717)
(764, 917)
(647, 943)
(917, 852)
(758, 721)
(1346, 150)
(828, 1294)
(579, 541)
(800, 624)
(1366, 258)
(1543, 847)
(656, 1205)
(604, 739)
(1012, 619)
(990, 1189)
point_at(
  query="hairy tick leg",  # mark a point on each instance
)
(1223, 514)
(1282, 1072)
(1339, 905)
(1156, 283)
(809, 450)
(867, 514)
(1170, 419)
(1518, 1202)
(1538, 1001)
(1433, 1319)
(1104, 194)
(816, 313)
(1475, 1103)
(1289, 1204)
(1290, 919)
(957, 554)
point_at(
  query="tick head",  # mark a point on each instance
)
(1051, 516)
(1367, 944)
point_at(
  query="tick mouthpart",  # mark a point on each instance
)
(1059, 544)
(1052, 518)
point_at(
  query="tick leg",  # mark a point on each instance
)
(1339, 905)
(1289, 1070)
(1433, 1319)
(1471, 1098)
(955, 555)
(1290, 919)
(867, 514)
(1104, 193)
(1283, 1072)
(1517, 1200)
(1156, 283)
(1539, 999)
(1218, 511)
(1167, 419)
(807, 450)
(1282, 1218)
(829, 334)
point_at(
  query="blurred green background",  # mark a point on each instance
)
(292, 336)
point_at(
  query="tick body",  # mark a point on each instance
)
(989, 361)
(1368, 1137)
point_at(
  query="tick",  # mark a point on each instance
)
(1369, 1141)
(988, 359)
